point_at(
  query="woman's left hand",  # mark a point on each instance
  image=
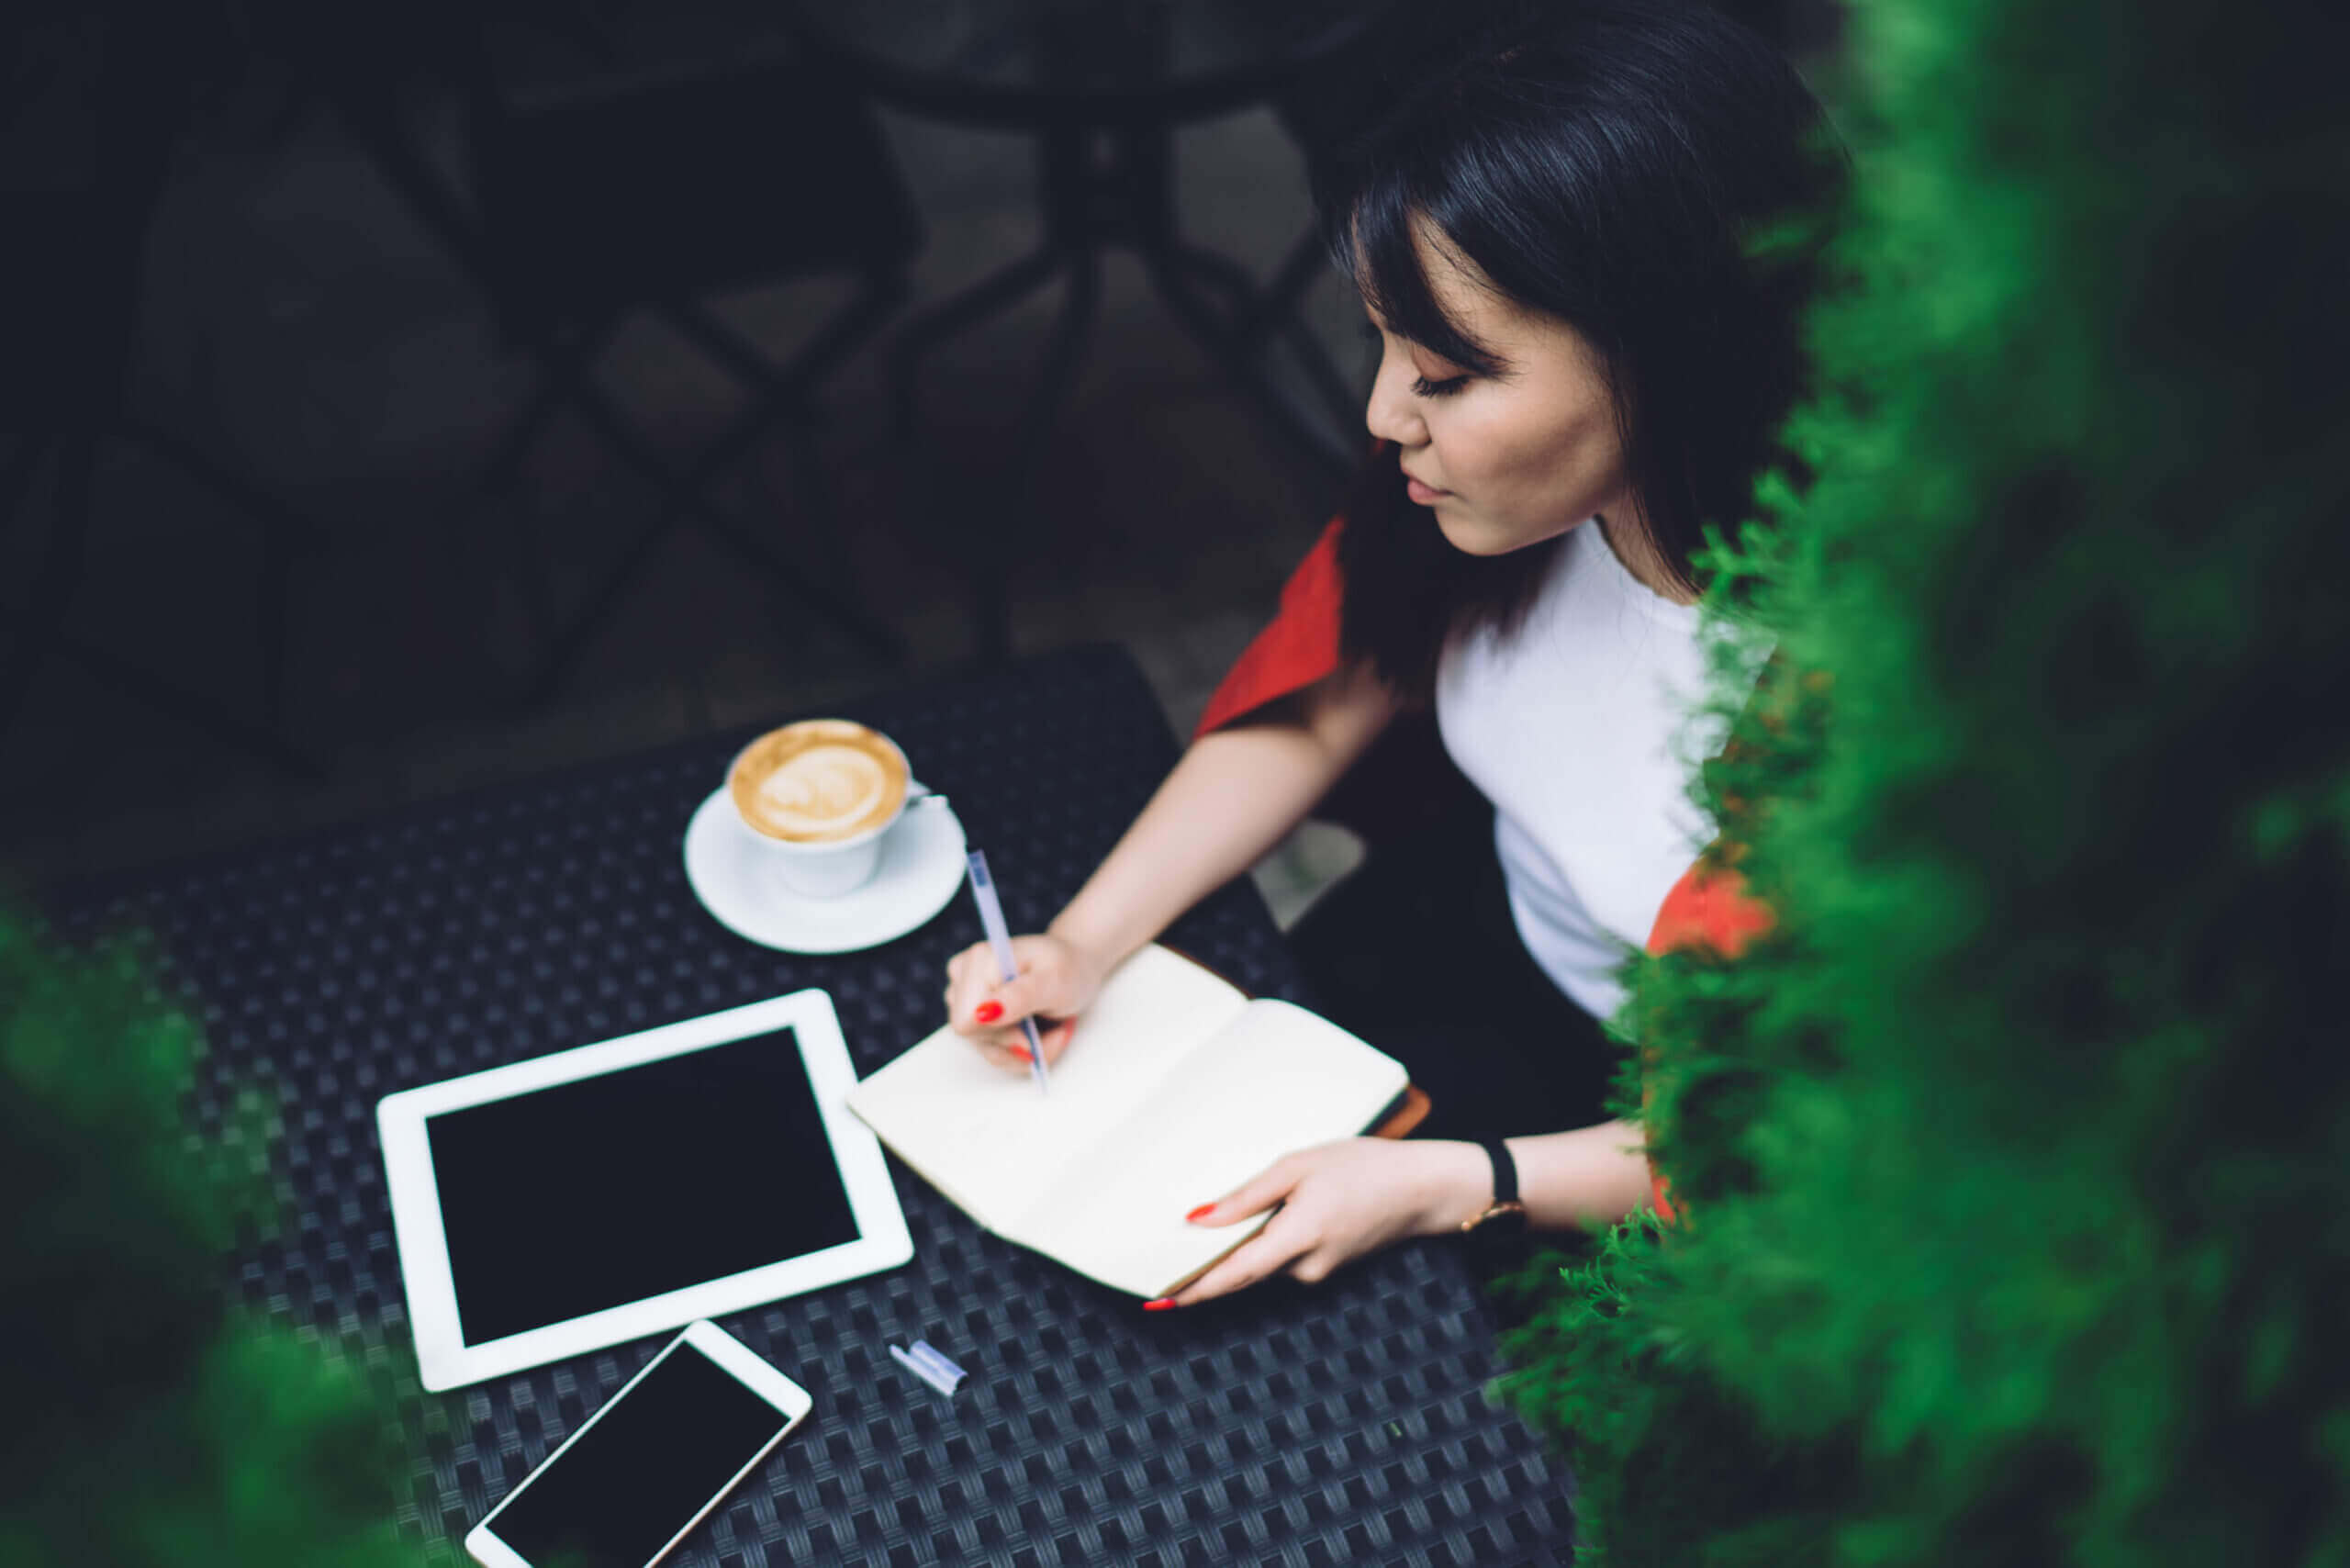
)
(1340, 1200)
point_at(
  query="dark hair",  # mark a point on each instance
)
(1652, 174)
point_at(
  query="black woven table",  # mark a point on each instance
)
(1347, 1423)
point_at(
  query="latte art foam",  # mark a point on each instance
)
(818, 781)
(820, 792)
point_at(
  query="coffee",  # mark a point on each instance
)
(819, 781)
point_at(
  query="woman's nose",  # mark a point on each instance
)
(1391, 413)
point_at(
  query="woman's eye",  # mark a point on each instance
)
(1422, 385)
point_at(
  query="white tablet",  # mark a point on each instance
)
(558, 1206)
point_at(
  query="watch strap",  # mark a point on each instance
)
(1504, 1169)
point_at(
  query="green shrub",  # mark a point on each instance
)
(2018, 1158)
(148, 1421)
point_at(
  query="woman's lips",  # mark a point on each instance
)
(1424, 495)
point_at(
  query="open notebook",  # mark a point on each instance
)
(1176, 1089)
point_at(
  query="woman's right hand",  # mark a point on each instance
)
(1228, 802)
(1057, 981)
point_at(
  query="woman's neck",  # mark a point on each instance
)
(1635, 550)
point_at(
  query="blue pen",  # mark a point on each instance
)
(1000, 942)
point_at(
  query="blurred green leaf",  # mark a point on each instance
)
(150, 1422)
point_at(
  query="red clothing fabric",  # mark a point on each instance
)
(1299, 645)
(1710, 907)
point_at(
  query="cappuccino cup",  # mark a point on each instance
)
(818, 797)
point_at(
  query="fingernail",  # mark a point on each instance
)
(1020, 1051)
(989, 1011)
(1164, 1303)
(1199, 1213)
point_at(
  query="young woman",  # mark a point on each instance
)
(1570, 226)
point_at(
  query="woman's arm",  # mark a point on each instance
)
(1344, 1199)
(1231, 798)
(1585, 1180)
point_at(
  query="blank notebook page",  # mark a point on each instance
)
(991, 1142)
(1276, 1079)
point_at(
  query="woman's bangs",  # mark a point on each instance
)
(1383, 257)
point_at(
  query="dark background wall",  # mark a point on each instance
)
(299, 324)
(295, 322)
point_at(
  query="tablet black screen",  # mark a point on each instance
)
(582, 1196)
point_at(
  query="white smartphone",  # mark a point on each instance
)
(650, 1464)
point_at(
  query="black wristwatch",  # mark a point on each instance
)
(1505, 1217)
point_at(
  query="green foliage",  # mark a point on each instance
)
(2018, 1158)
(147, 1420)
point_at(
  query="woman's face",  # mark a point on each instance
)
(1507, 459)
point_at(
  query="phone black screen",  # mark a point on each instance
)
(593, 1194)
(649, 1463)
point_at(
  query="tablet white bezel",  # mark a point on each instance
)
(746, 1365)
(445, 1362)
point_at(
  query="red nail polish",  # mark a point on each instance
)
(1020, 1051)
(989, 1011)
(1163, 1304)
(1200, 1213)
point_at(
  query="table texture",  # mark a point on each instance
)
(1345, 1423)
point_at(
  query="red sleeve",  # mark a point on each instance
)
(1709, 907)
(1296, 649)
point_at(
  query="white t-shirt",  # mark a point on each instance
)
(1578, 728)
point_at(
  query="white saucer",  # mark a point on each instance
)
(921, 866)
